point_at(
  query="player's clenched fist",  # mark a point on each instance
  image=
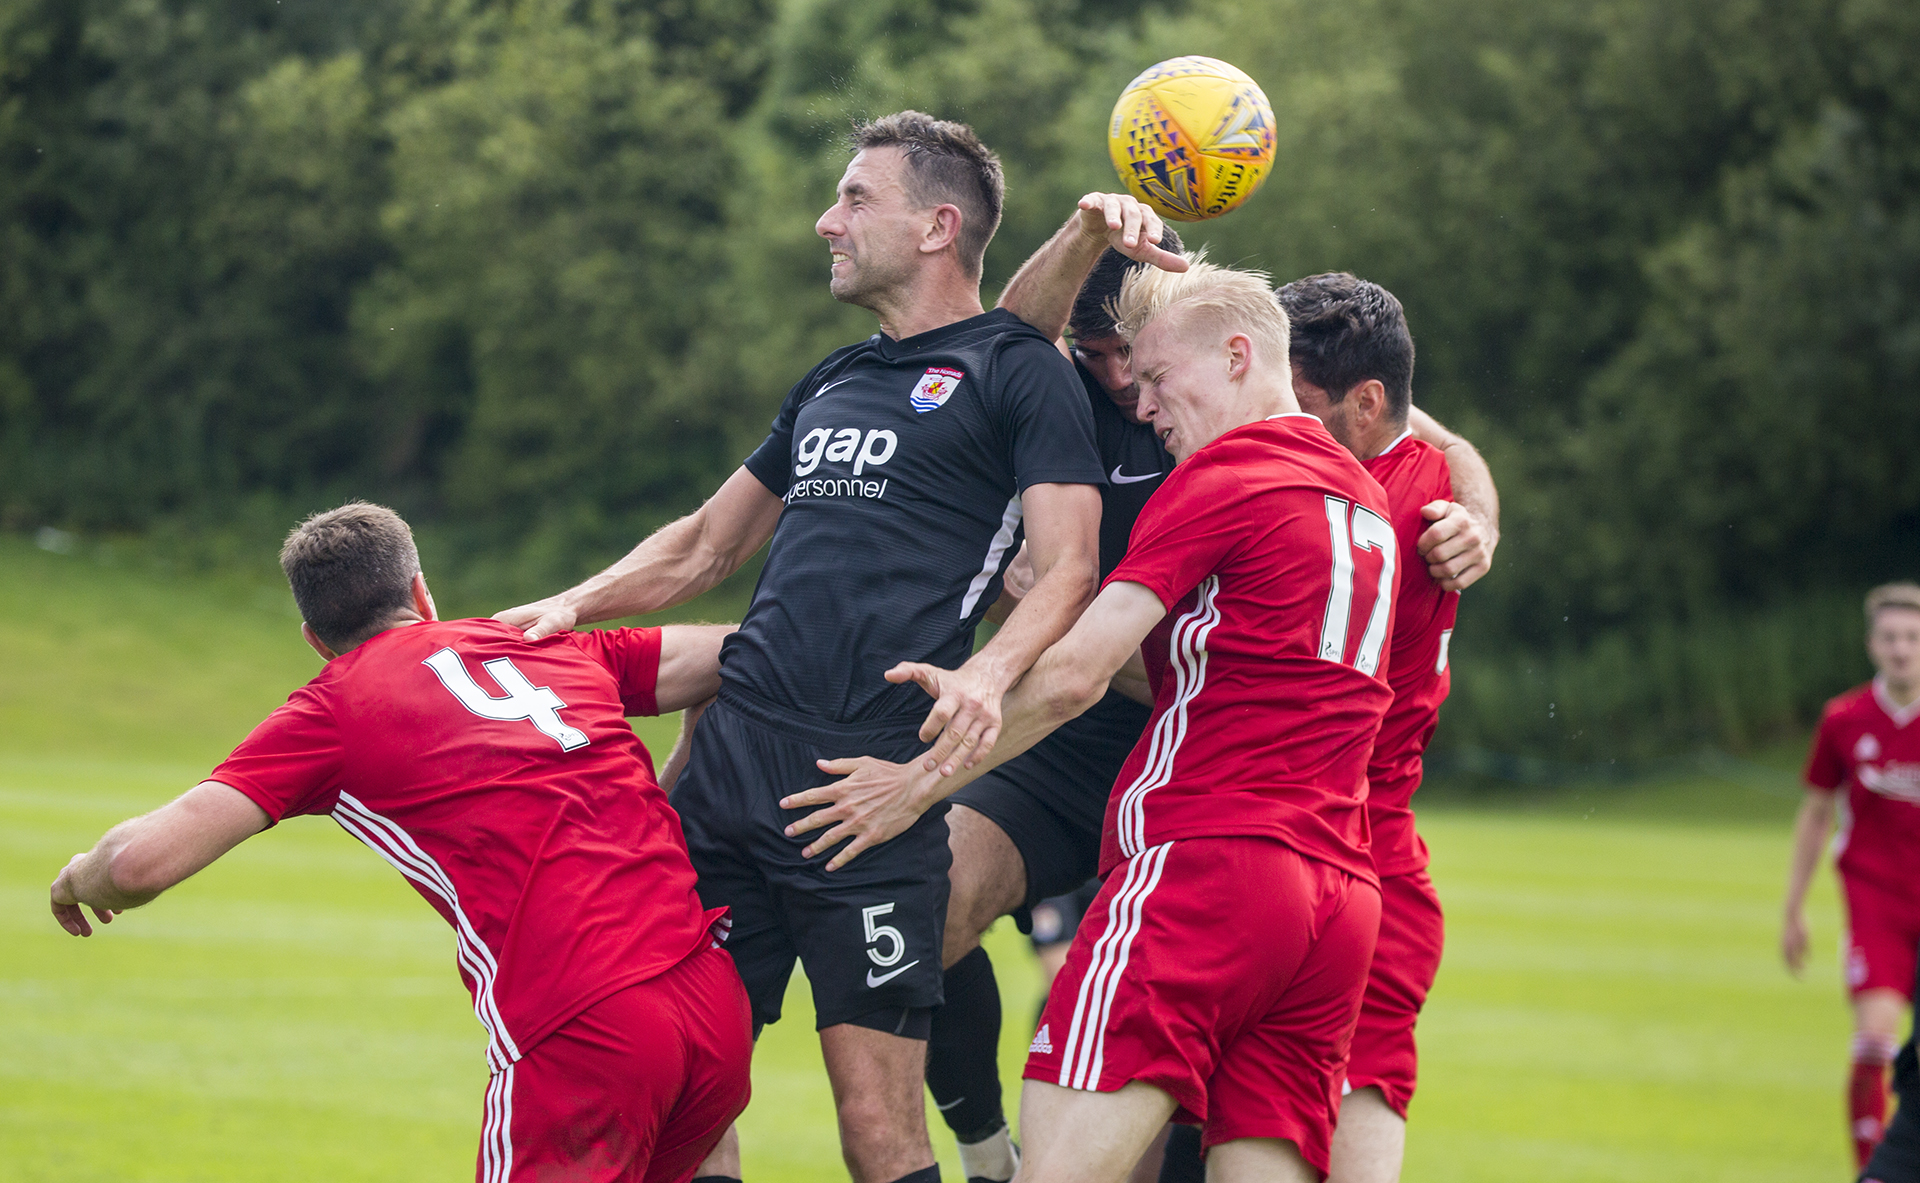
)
(1129, 227)
(1456, 547)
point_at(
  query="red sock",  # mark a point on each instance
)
(1867, 1097)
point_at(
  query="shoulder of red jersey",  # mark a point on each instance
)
(1412, 469)
(1849, 701)
(1306, 452)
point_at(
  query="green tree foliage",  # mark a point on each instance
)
(539, 270)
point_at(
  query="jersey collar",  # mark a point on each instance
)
(1397, 441)
(1901, 715)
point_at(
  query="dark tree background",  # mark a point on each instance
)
(537, 272)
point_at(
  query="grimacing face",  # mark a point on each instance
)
(872, 228)
(1110, 360)
(1183, 382)
(1894, 644)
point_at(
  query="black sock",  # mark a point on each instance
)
(923, 1175)
(1183, 1163)
(963, 1069)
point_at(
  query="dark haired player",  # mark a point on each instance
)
(1029, 830)
(1865, 762)
(502, 780)
(896, 485)
(1352, 360)
(1260, 579)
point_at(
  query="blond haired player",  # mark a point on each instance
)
(1260, 579)
(1865, 765)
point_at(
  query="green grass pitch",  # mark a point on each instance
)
(1610, 1009)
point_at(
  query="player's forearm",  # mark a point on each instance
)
(676, 563)
(1052, 693)
(1042, 291)
(1472, 480)
(94, 882)
(1041, 618)
(1810, 828)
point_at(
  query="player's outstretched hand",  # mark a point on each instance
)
(965, 714)
(1131, 227)
(1793, 943)
(1456, 546)
(66, 907)
(876, 801)
(542, 618)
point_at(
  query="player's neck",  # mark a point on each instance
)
(937, 297)
(1900, 694)
(1378, 438)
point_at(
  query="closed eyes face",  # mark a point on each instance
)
(870, 227)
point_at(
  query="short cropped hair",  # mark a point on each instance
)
(1347, 330)
(1092, 315)
(1892, 595)
(1224, 298)
(946, 165)
(351, 570)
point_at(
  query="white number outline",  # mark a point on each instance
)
(882, 932)
(1369, 531)
(526, 702)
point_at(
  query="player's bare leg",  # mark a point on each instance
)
(725, 1159)
(1370, 1141)
(1258, 1160)
(1877, 1019)
(1077, 1136)
(877, 1081)
(989, 880)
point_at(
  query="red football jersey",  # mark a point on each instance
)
(1412, 473)
(1872, 747)
(503, 781)
(1274, 554)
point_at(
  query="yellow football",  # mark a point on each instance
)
(1192, 137)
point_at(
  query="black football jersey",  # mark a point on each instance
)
(902, 465)
(1134, 461)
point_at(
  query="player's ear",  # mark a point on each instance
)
(1369, 401)
(1239, 356)
(313, 639)
(422, 598)
(943, 229)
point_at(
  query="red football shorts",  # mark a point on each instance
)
(637, 1088)
(1883, 936)
(1405, 959)
(1226, 971)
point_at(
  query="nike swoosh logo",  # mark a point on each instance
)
(883, 979)
(1118, 479)
(949, 1104)
(829, 386)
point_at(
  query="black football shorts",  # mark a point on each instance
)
(1052, 800)
(868, 934)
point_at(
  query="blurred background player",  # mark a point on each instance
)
(895, 485)
(1260, 579)
(1868, 743)
(1030, 829)
(503, 781)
